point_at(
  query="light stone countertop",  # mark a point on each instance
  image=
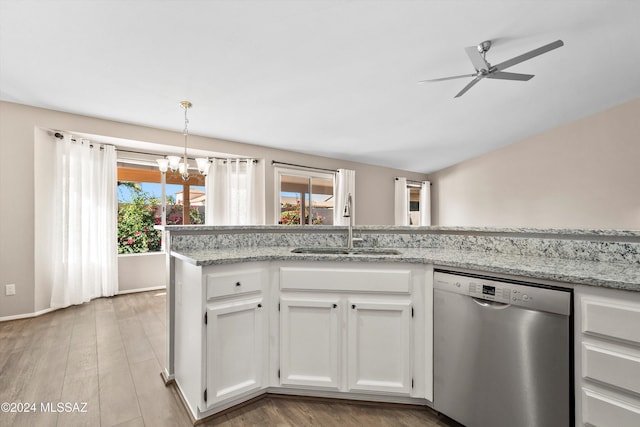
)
(617, 275)
(400, 229)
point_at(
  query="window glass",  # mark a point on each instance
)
(322, 200)
(304, 197)
(139, 210)
(140, 205)
(414, 205)
(175, 195)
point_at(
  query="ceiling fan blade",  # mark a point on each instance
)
(509, 76)
(447, 78)
(525, 56)
(467, 87)
(478, 61)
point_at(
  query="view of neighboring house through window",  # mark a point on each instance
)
(305, 197)
(414, 205)
(141, 203)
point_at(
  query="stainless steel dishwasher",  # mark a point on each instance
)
(502, 352)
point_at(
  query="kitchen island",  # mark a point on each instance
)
(327, 324)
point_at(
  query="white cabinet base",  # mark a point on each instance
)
(600, 409)
(310, 342)
(235, 349)
(379, 346)
(355, 396)
(607, 346)
(320, 329)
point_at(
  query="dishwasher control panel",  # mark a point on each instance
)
(500, 292)
(532, 296)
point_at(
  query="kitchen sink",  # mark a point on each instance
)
(346, 251)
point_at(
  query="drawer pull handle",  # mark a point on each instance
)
(238, 283)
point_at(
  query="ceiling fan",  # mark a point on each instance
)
(477, 55)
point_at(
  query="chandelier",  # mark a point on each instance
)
(175, 163)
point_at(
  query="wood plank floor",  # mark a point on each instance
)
(108, 354)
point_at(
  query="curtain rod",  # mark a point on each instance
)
(275, 162)
(58, 135)
(410, 181)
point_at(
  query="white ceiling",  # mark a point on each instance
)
(334, 78)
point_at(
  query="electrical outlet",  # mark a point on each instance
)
(10, 289)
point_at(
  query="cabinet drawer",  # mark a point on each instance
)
(610, 319)
(610, 366)
(345, 280)
(601, 410)
(227, 284)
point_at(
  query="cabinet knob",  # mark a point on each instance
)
(353, 306)
(259, 305)
(238, 283)
(335, 305)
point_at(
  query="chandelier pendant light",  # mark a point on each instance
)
(184, 166)
(175, 163)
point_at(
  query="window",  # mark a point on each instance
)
(414, 204)
(140, 205)
(304, 197)
(193, 192)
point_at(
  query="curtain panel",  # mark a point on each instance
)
(84, 223)
(235, 193)
(425, 203)
(401, 204)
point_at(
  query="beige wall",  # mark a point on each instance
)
(21, 130)
(585, 174)
(141, 271)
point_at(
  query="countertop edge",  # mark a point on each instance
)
(589, 273)
(568, 232)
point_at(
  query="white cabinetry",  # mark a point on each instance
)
(351, 330)
(236, 349)
(607, 348)
(379, 346)
(221, 332)
(356, 329)
(310, 342)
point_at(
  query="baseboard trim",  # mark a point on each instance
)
(49, 310)
(167, 379)
(230, 409)
(349, 397)
(308, 395)
(28, 315)
(133, 291)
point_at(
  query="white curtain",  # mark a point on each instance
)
(345, 185)
(235, 193)
(401, 204)
(84, 227)
(425, 203)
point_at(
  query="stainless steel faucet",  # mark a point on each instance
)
(346, 213)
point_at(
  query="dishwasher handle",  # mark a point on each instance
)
(490, 304)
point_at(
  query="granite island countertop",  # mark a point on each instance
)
(616, 275)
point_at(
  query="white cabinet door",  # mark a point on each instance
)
(379, 346)
(310, 342)
(235, 348)
(607, 363)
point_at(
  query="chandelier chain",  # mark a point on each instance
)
(185, 105)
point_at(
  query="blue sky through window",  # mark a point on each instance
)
(314, 197)
(155, 190)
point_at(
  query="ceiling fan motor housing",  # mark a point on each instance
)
(484, 46)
